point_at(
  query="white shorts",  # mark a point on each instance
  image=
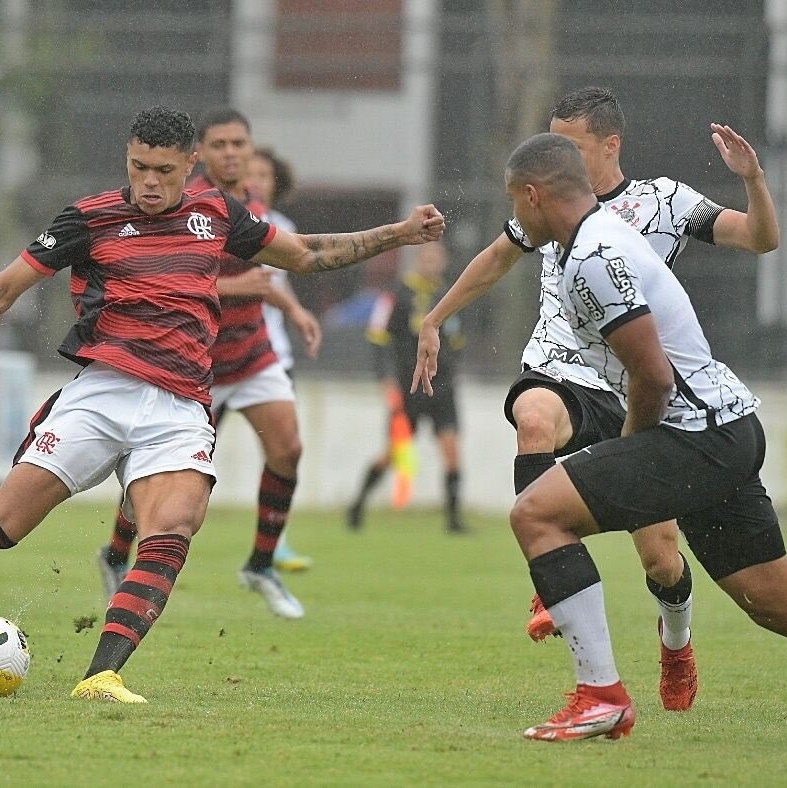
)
(105, 421)
(271, 384)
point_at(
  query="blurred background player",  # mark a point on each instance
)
(248, 377)
(393, 331)
(271, 179)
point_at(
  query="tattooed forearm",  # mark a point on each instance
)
(305, 254)
(338, 250)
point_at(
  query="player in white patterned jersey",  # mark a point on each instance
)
(600, 289)
(559, 404)
(691, 446)
(661, 209)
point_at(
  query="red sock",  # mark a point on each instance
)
(612, 693)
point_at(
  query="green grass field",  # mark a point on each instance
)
(410, 668)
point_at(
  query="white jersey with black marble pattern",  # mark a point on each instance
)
(664, 211)
(609, 275)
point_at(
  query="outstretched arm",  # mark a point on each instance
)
(14, 280)
(757, 230)
(486, 268)
(305, 254)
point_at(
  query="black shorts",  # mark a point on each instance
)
(709, 481)
(440, 408)
(595, 415)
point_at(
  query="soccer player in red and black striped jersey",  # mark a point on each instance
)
(247, 375)
(144, 263)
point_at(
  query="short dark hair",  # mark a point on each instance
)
(551, 160)
(282, 174)
(218, 116)
(597, 106)
(162, 127)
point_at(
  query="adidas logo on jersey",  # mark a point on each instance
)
(201, 456)
(128, 231)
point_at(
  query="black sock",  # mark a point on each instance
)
(673, 595)
(452, 482)
(112, 653)
(370, 481)
(563, 572)
(528, 467)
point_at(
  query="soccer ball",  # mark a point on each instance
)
(14, 657)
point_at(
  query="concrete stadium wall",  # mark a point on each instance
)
(343, 428)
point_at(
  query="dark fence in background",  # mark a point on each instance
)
(500, 67)
(676, 67)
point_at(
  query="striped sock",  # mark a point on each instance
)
(140, 600)
(123, 537)
(275, 499)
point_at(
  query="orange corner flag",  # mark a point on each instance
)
(404, 459)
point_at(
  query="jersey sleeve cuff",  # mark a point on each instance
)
(621, 320)
(33, 263)
(270, 235)
(522, 242)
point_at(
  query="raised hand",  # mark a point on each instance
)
(738, 155)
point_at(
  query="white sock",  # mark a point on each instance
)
(583, 623)
(676, 620)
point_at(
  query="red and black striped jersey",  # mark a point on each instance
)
(242, 347)
(144, 287)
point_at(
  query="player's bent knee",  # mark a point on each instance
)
(526, 518)
(765, 607)
(666, 571)
(533, 426)
(284, 457)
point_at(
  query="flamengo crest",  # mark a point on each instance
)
(199, 224)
